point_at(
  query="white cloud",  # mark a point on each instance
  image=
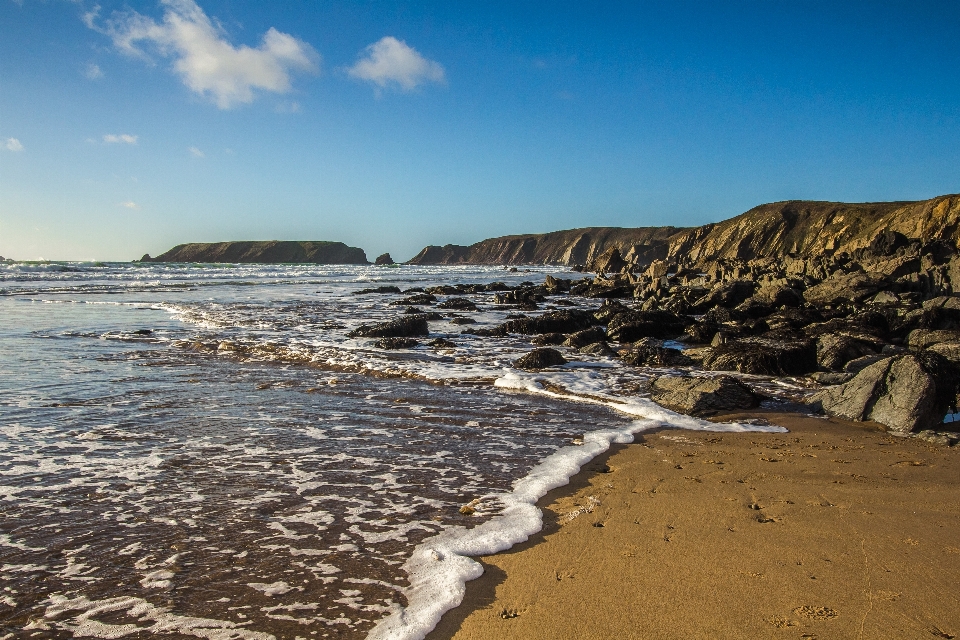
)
(206, 62)
(12, 144)
(393, 61)
(124, 138)
(92, 71)
(130, 204)
(196, 153)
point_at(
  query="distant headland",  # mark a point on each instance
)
(264, 252)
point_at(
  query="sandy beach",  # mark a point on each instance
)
(833, 530)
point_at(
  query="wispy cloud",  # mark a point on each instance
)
(12, 144)
(391, 61)
(121, 138)
(93, 71)
(196, 153)
(130, 204)
(203, 57)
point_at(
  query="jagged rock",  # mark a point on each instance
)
(600, 348)
(886, 243)
(701, 332)
(384, 259)
(566, 321)
(830, 377)
(609, 309)
(441, 343)
(754, 308)
(763, 357)
(402, 327)
(585, 337)
(396, 343)
(650, 352)
(418, 298)
(556, 285)
(610, 261)
(460, 304)
(948, 350)
(634, 325)
(540, 359)
(923, 338)
(549, 339)
(900, 392)
(728, 294)
(779, 296)
(885, 297)
(835, 350)
(702, 396)
(857, 365)
(844, 288)
(382, 289)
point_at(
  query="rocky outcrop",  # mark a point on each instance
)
(904, 393)
(266, 252)
(804, 235)
(403, 327)
(384, 260)
(540, 359)
(702, 396)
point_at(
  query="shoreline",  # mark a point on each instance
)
(702, 534)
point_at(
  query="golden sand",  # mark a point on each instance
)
(833, 530)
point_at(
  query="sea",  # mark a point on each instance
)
(201, 451)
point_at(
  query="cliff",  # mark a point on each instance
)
(267, 252)
(575, 246)
(799, 228)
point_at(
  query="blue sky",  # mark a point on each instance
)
(128, 128)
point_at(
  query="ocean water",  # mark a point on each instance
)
(200, 451)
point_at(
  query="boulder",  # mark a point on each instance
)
(650, 352)
(844, 288)
(403, 327)
(634, 325)
(585, 337)
(597, 349)
(540, 359)
(702, 396)
(442, 343)
(610, 309)
(762, 356)
(836, 350)
(460, 304)
(905, 393)
(610, 261)
(417, 298)
(566, 321)
(396, 343)
(728, 294)
(382, 289)
(384, 259)
(779, 296)
(548, 338)
(923, 338)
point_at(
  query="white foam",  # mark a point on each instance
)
(441, 565)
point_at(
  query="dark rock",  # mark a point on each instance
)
(728, 294)
(634, 325)
(556, 285)
(443, 290)
(905, 393)
(779, 296)
(540, 359)
(441, 343)
(384, 259)
(494, 332)
(701, 332)
(844, 288)
(755, 308)
(597, 349)
(609, 309)
(566, 321)
(948, 350)
(886, 243)
(549, 339)
(413, 310)
(836, 350)
(857, 365)
(405, 326)
(702, 396)
(722, 315)
(143, 332)
(763, 357)
(650, 352)
(585, 337)
(830, 377)
(383, 289)
(459, 320)
(460, 304)
(923, 338)
(396, 343)
(419, 298)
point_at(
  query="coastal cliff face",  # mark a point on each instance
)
(798, 228)
(575, 246)
(271, 251)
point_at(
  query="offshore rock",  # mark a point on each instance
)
(384, 260)
(566, 321)
(264, 252)
(540, 359)
(702, 396)
(406, 326)
(548, 339)
(650, 352)
(585, 337)
(460, 304)
(396, 343)
(382, 289)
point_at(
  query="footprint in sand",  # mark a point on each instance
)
(816, 613)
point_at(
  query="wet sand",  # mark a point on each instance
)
(833, 530)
